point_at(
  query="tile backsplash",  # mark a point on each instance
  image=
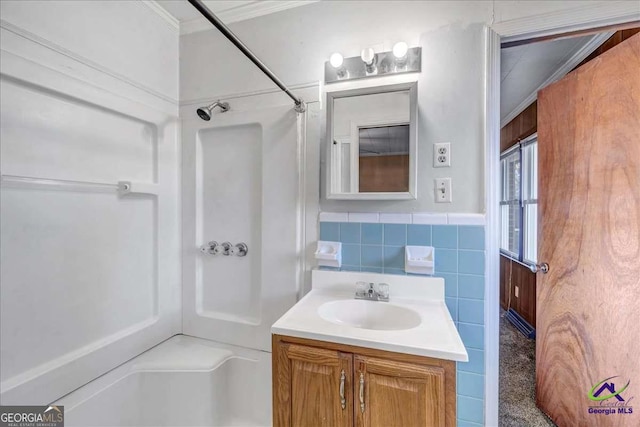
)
(459, 259)
(380, 247)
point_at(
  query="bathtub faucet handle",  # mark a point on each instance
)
(240, 250)
(209, 248)
(224, 248)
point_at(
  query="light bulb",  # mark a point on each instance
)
(368, 56)
(336, 60)
(400, 50)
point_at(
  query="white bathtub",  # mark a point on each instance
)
(184, 381)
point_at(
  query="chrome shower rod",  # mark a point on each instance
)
(200, 6)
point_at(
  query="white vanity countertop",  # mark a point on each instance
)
(436, 336)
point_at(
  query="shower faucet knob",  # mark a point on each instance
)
(224, 249)
(240, 250)
(209, 248)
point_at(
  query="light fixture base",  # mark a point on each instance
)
(385, 64)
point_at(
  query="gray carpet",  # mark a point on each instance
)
(518, 380)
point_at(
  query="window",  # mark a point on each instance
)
(519, 201)
(510, 203)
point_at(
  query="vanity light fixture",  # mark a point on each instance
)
(369, 58)
(337, 61)
(401, 59)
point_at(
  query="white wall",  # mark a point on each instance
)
(90, 277)
(295, 44)
(450, 103)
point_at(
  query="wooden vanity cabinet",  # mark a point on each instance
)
(314, 381)
(317, 383)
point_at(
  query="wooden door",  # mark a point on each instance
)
(314, 387)
(589, 233)
(396, 394)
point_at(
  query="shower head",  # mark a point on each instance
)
(205, 112)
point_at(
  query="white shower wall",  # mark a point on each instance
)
(241, 183)
(89, 277)
(229, 196)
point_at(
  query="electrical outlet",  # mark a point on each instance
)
(441, 155)
(443, 190)
(517, 292)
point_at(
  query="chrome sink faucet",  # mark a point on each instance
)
(372, 292)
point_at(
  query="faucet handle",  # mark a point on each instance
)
(239, 249)
(209, 248)
(383, 291)
(222, 249)
(361, 288)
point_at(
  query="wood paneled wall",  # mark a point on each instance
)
(617, 38)
(384, 173)
(513, 274)
(524, 125)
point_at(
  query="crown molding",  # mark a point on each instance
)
(168, 18)
(558, 22)
(196, 25)
(242, 13)
(577, 57)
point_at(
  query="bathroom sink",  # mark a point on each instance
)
(369, 315)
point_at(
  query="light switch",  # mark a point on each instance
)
(443, 190)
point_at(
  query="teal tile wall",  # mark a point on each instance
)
(460, 260)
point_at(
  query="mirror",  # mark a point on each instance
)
(372, 143)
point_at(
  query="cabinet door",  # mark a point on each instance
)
(314, 387)
(389, 394)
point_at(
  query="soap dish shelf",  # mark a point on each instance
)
(419, 259)
(329, 254)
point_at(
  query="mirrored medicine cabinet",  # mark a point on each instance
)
(372, 143)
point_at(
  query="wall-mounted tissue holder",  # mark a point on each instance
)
(419, 259)
(329, 254)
